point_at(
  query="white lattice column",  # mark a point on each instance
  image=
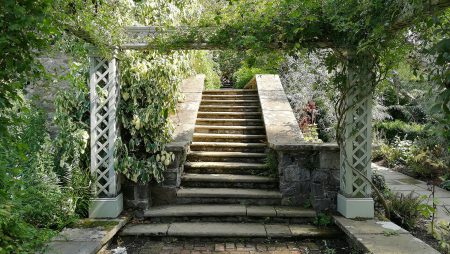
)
(104, 95)
(354, 199)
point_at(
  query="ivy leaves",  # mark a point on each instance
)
(149, 89)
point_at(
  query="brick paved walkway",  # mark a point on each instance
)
(142, 246)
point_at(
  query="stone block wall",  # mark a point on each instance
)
(308, 173)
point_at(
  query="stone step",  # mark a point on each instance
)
(229, 122)
(229, 213)
(226, 157)
(233, 91)
(230, 129)
(230, 97)
(229, 115)
(228, 181)
(228, 230)
(229, 147)
(231, 102)
(220, 108)
(212, 137)
(225, 168)
(228, 196)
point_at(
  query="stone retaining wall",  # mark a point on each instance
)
(308, 173)
(142, 196)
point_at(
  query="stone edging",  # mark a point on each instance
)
(279, 120)
(186, 111)
(381, 237)
(84, 240)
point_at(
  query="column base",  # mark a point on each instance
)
(355, 207)
(106, 207)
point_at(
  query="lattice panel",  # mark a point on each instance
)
(356, 154)
(104, 92)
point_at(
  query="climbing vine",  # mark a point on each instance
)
(149, 93)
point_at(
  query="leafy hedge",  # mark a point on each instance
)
(404, 130)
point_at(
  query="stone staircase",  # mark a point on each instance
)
(226, 86)
(226, 188)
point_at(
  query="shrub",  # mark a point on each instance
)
(33, 201)
(405, 209)
(426, 164)
(245, 74)
(423, 161)
(397, 153)
(392, 129)
(323, 219)
(202, 63)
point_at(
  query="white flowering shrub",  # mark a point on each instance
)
(304, 77)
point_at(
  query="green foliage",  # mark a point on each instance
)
(31, 196)
(445, 182)
(311, 134)
(271, 162)
(399, 152)
(256, 63)
(441, 232)
(25, 28)
(419, 159)
(323, 219)
(390, 233)
(397, 128)
(149, 93)
(244, 75)
(229, 61)
(70, 146)
(203, 63)
(405, 209)
(328, 250)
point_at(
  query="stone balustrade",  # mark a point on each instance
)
(308, 172)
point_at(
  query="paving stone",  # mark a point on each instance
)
(262, 211)
(402, 243)
(229, 246)
(146, 229)
(311, 231)
(372, 236)
(183, 132)
(227, 178)
(196, 210)
(81, 234)
(437, 194)
(191, 97)
(71, 247)
(193, 84)
(409, 180)
(261, 247)
(405, 187)
(277, 118)
(212, 229)
(284, 134)
(275, 103)
(368, 226)
(278, 230)
(292, 246)
(290, 211)
(188, 246)
(227, 192)
(268, 82)
(219, 247)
